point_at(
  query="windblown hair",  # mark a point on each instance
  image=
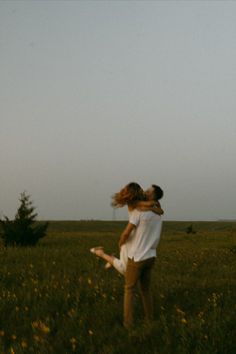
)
(128, 195)
(158, 192)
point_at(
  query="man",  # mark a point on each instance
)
(145, 227)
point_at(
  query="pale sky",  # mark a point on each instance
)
(96, 94)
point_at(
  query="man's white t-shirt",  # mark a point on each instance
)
(143, 241)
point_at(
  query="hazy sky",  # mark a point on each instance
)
(95, 94)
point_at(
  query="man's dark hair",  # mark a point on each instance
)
(158, 192)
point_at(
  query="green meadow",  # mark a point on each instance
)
(58, 298)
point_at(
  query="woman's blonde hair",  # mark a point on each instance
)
(128, 195)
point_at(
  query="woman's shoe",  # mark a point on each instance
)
(94, 249)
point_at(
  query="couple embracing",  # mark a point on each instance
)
(138, 243)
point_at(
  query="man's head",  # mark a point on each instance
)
(154, 192)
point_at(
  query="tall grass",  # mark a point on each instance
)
(58, 298)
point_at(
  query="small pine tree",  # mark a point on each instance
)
(23, 230)
(190, 230)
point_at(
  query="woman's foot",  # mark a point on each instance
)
(98, 251)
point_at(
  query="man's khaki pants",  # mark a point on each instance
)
(138, 272)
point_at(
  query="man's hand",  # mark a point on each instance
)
(157, 210)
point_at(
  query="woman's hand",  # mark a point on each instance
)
(126, 233)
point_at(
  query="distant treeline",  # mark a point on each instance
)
(114, 226)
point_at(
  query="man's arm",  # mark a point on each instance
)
(156, 210)
(126, 233)
(146, 203)
(150, 205)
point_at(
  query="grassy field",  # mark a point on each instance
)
(58, 298)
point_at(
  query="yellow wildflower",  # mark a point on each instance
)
(200, 315)
(180, 312)
(36, 338)
(24, 344)
(44, 328)
(71, 312)
(183, 320)
(40, 326)
(35, 324)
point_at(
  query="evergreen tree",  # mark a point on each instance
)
(190, 230)
(23, 230)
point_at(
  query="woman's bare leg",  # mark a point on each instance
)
(100, 253)
(118, 264)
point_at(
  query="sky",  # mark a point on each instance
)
(96, 94)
